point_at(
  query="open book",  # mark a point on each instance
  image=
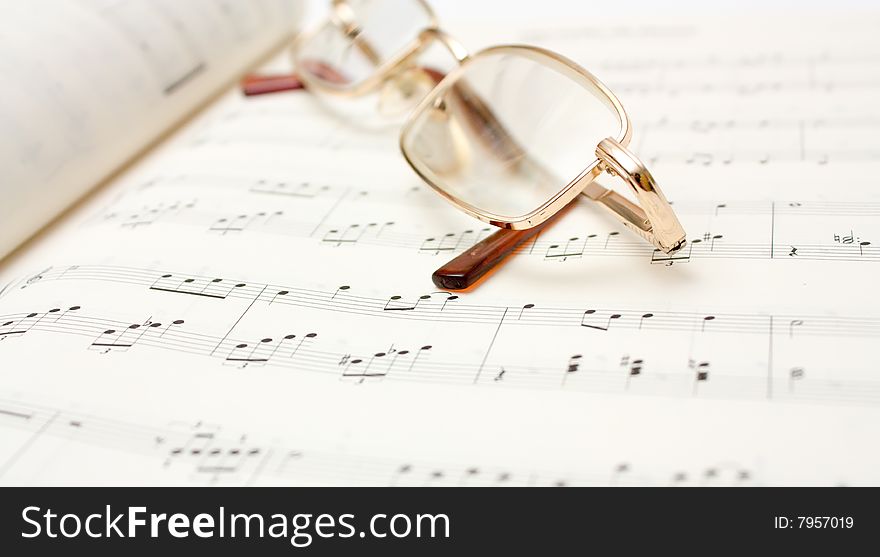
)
(248, 301)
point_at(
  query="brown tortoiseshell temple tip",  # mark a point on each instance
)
(255, 84)
(466, 269)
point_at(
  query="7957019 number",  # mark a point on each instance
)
(813, 522)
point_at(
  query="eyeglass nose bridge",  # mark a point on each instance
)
(403, 82)
(343, 17)
(458, 51)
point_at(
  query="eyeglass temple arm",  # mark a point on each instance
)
(663, 231)
(466, 269)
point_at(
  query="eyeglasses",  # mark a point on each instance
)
(511, 135)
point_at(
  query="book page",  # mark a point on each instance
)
(90, 83)
(252, 304)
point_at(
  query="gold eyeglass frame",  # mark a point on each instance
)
(652, 218)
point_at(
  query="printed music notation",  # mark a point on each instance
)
(307, 189)
(783, 218)
(209, 454)
(698, 144)
(790, 371)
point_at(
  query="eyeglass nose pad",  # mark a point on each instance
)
(402, 92)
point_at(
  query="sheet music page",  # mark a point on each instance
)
(252, 304)
(90, 83)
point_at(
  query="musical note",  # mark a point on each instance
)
(302, 189)
(451, 241)
(589, 316)
(380, 364)
(704, 159)
(120, 340)
(243, 354)
(619, 471)
(18, 327)
(354, 233)
(707, 319)
(33, 279)
(524, 308)
(795, 374)
(277, 294)
(574, 247)
(242, 222)
(633, 368)
(193, 286)
(608, 238)
(149, 215)
(683, 255)
(399, 474)
(701, 372)
(449, 298)
(343, 288)
(396, 303)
